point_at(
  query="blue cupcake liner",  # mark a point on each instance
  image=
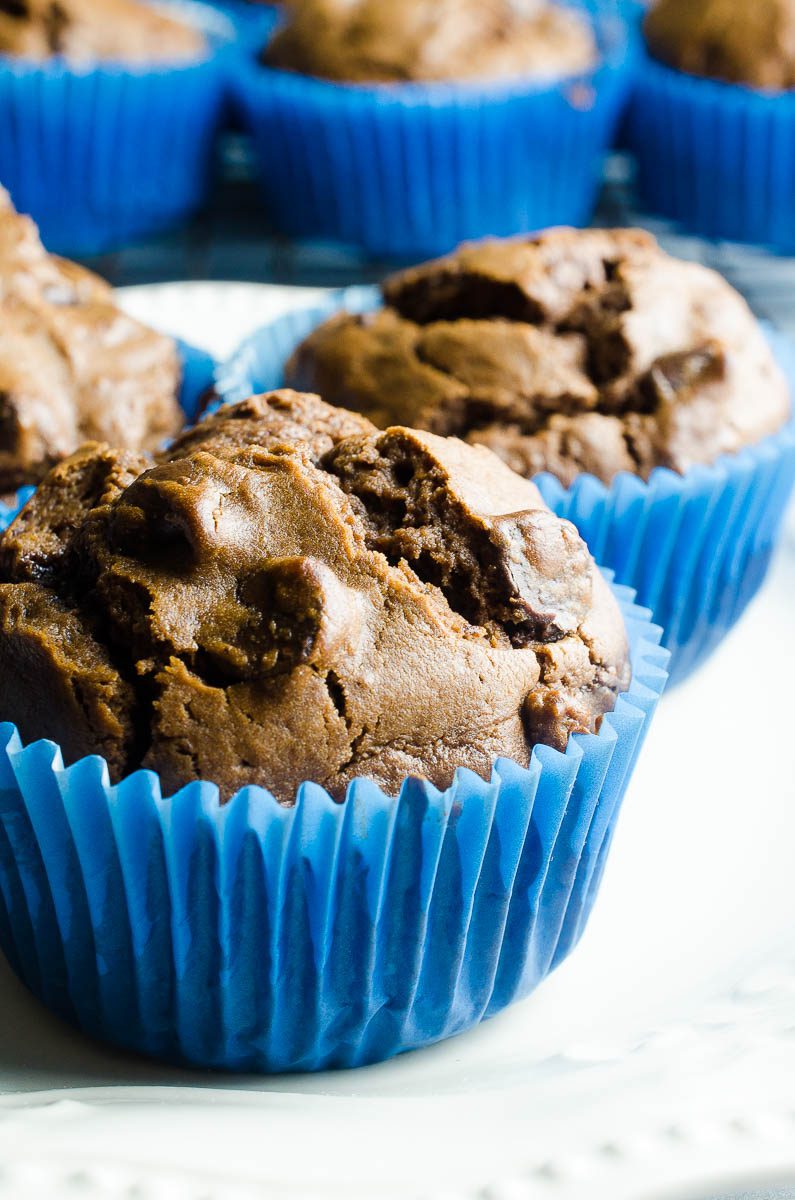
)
(253, 22)
(406, 170)
(632, 12)
(198, 378)
(717, 158)
(257, 937)
(694, 547)
(11, 505)
(103, 155)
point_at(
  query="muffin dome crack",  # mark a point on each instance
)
(288, 594)
(573, 351)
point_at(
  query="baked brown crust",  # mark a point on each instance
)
(369, 41)
(323, 602)
(86, 31)
(575, 351)
(749, 43)
(73, 366)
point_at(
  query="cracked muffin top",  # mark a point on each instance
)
(73, 367)
(290, 594)
(85, 31)
(575, 351)
(382, 41)
(739, 42)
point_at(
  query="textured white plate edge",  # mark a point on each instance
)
(667, 1162)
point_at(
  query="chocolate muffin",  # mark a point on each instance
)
(373, 41)
(86, 31)
(749, 43)
(575, 351)
(289, 594)
(73, 367)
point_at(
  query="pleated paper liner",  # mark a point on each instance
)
(257, 937)
(411, 169)
(102, 155)
(694, 547)
(198, 378)
(717, 158)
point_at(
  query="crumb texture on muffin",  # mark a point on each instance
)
(86, 31)
(570, 352)
(361, 41)
(739, 41)
(290, 594)
(73, 366)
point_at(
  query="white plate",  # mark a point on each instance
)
(215, 316)
(657, 1064)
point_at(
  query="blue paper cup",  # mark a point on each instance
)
(717, 158)
(407, 170)
(257, 937)
(198, 378)
(11, 505)
(695, 547)
(253, 21)
(103, 155)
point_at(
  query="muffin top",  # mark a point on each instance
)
(575, 351)
(381, 41)
(290, 594)
(85, 31)
(72, 365)
(740, 41)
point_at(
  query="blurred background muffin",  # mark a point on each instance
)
(381, 41)
(88, 31)
(402, 128)
(712, 121)
(737, 42)
(73, 366)
(108, 115)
